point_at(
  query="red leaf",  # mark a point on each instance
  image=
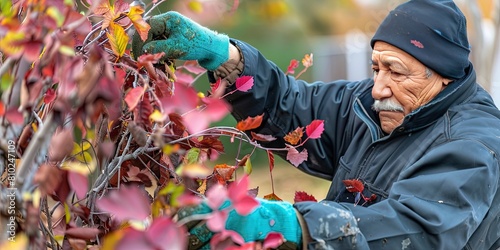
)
(292, 66)
(133, 97)
(273, 240)
(2, 108)
(50, 96)
(143, 111)
(84, 233)
(295, 157)
(270, 156)
(303, 196)
(244, 83)
(315, 129)
(250, 123)
(354, 185)
(145, 59)
(126, 203)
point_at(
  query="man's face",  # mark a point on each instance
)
(402, 84)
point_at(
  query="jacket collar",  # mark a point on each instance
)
(455, 93)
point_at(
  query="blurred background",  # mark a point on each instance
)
(337, 32)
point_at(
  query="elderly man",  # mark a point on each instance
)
(421, 136)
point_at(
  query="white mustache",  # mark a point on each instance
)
(387, 105)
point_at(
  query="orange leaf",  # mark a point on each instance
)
(272, 197)
(118, 39)
(307, 61)
(250, 123)
(223, 172)
(295, 136)
(142, 27)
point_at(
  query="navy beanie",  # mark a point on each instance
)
(432, 31)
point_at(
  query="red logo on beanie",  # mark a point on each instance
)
(417, 44)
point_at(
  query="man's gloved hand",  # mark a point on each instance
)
(270, 216)
(181, 38)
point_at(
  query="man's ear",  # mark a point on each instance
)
(446, 81)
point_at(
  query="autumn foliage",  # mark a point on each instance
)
(99, 150)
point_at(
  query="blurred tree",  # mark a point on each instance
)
(484, 26)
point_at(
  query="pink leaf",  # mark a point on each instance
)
(184, 99)
(246, 205)
(14, 116)
(315, 129)
(164, 234)
(244, 83)
(126, 203)
(242, 202)
(238, 189)
(133, 97)
(193, 67)
(184, 78)
(214, 111)
(79, 183)
(217, 220)
(188, 200)
(133, 239)
(295, 157)
(216, 195)
(261, 137)
(273, 240)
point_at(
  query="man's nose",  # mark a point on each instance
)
(381, 89)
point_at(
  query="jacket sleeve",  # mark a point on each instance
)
(287, 103)
(437, 203)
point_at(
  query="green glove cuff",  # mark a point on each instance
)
(270, 216)
(181, 38)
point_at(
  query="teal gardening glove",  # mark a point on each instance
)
(269, 216)
(181, 38)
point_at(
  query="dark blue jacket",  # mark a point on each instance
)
(436, 176)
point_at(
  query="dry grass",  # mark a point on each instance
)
(287, 180)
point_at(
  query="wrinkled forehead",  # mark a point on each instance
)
(386, 53)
